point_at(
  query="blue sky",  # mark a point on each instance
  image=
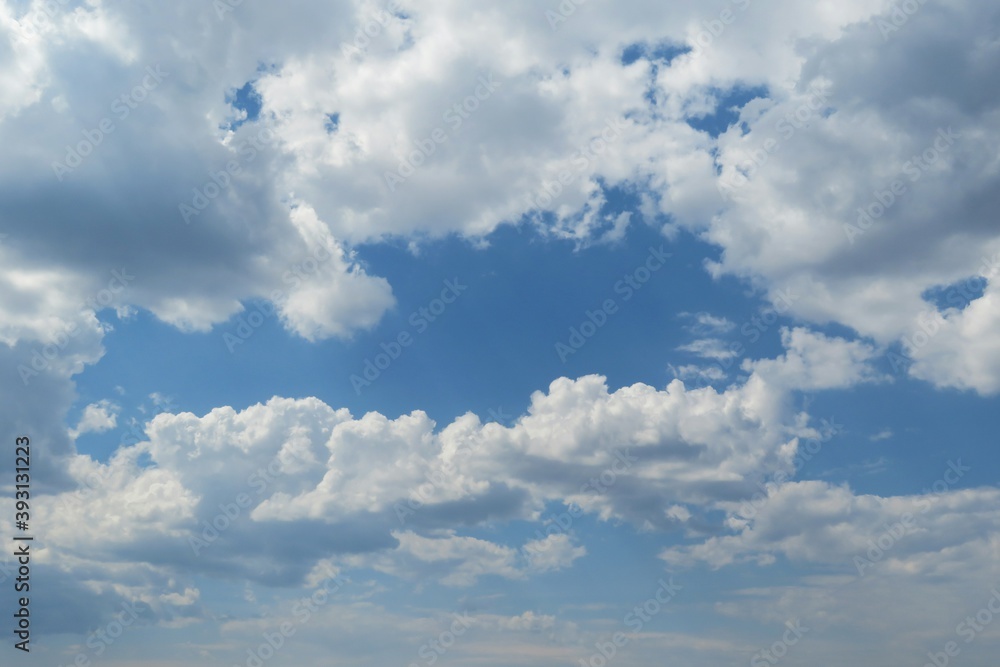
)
(579, 334)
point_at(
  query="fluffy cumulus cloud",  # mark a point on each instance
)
(97, 418)
(279, 491)
(273, 492)
(813, 361)
(370, 119)
(223, 491)
(873, 182)
(204, 232)
(958, 348)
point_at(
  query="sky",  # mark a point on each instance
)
(570, 333)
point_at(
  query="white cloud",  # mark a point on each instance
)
(551, 96)
(557, 92)
(554, 552)
(334, 297)
(794, 221)
(96, 418)
(226, 489)
(813, 361)
(813, 522)
(697, 374)
(451, 559)
(706, 323)
(959, 348)
(709, 348)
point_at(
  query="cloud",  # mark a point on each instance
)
(226, 491)
(563, 121)
(813, 362)
(453, 560)
(709, 348)
(958, 348)
(554, 552)
(812, 522)
(697, 374)
(703, 324)
(145, 120)
(891, 197)
(96, 418)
